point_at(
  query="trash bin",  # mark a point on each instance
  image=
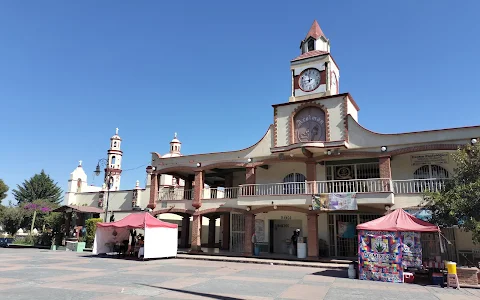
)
(256, 250)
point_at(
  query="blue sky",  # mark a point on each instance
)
(72, 71)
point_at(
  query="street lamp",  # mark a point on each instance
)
(108, 179)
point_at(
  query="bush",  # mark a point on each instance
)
(91, 225)
(27, 240)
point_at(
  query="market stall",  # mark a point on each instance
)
(160, 238)
(390, 244)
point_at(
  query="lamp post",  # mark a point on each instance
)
(108, 179)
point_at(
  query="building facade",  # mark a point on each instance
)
(316, 169)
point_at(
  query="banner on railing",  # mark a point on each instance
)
(344, 201)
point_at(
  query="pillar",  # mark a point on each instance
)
(211, 232)
(249, 230)
(184, 235)
(225, 228)
(250, 178)
(312, 235)
(198, 189)
(311, 176)
(229, 180)
(196, 244)
(153, 191)
(68, 221)
(385, 172)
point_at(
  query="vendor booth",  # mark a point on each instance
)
(160, 238)
(389, 245)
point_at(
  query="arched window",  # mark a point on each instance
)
(294, 183)
(430, 171)
(309, 125)
(311, 45)
(113, 160)
(114, 144)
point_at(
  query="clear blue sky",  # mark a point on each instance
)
(72, 71)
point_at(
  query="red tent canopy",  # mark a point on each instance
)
(398, 220)
(138, 220)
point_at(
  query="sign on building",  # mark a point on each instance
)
(430, 159)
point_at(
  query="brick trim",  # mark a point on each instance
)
(345, 118)
(176, 211)
(275, 125)
(300, 108)
(426, 148)
(220, 210)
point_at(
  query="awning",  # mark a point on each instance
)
(138, 220)
(79, 209)
(398, 220)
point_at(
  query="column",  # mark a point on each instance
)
(211, 232)
(198, 189)
(385, 172)
(250, 178)
(185, 231)
(225, 226)
(249, 230)
(68, 221)
(153, 191)
(312, 235)
(311, 165)
(196, 244)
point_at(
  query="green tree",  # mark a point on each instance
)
(459, 203)
(91, 225)
(11, 219)
(38, 187)
(3, 190)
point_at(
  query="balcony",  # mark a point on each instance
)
(292, 190)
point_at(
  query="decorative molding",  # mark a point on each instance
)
(300, 108)
(275, 126)
(267, 209)
(220, 210)
(345, 118)
(177, 211)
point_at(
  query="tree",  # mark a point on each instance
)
(3, 190)
(38, 187)
(11, 219)
(459, 202)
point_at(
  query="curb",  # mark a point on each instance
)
(262, 262)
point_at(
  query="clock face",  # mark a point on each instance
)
(309, 80)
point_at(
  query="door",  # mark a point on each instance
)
(237, 239)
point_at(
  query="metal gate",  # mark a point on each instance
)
(237, 228)
(346, 244)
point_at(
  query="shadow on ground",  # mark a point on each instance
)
(212, 296)
(333, 273)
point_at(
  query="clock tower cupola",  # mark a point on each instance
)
(314, 73)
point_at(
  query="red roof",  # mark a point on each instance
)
(398, 220)
(315, 31)
(310, 54)
(138, 220)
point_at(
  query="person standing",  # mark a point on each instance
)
(294, 240)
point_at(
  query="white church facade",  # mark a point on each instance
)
(316, 169)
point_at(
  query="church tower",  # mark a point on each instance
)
(114, 166)
(314, 73)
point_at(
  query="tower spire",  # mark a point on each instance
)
(315, 31)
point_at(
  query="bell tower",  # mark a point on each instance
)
(114, 166)
(314, 73)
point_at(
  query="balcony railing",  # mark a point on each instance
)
(175, 194)
(418, 186)
(377, 185)
(220, 193)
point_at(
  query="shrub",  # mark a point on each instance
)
(91, 225)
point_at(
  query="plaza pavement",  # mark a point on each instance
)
(43, 274)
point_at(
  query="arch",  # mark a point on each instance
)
(322, 133)
(311, 45)
(221, 210)
(295, 184)
(176, 211)
(426, 148)
(79, 185)
(267, 209)
(431, 171)
(113, 160)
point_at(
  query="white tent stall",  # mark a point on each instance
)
(160, 239)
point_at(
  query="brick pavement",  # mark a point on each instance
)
(43, 274)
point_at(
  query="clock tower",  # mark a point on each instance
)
(314, 73)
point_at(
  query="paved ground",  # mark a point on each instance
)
(42, 274)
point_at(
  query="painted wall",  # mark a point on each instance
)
(402, 168)
(276, 172)
(277, 215)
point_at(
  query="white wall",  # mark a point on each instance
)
(402, 168)
(276, 172)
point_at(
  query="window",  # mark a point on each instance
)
(79, 185)
(295, 183)
(114, 144)
(430, 171)
(311, 45)
(113, 160)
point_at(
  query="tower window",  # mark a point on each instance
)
(113, 160)
(114, 144)
(311, 45)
